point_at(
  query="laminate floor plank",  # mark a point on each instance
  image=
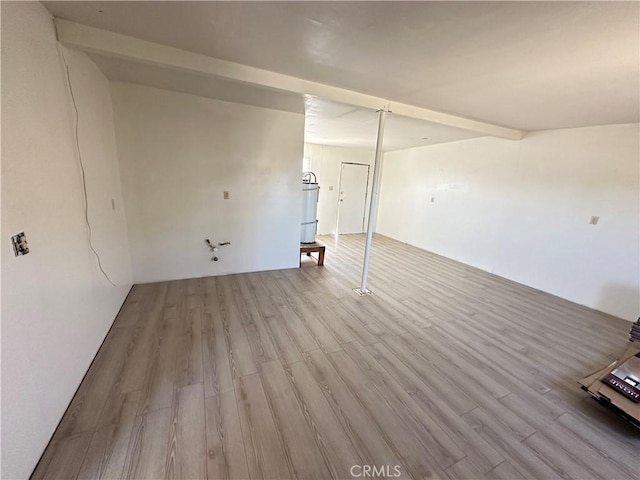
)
(216, 363)
(444, 451)
(464, 469)
(415, 457)
(264, 444)
(159, 384)
(535, 410)
(365, 434)
(239, 349)
(187, 440)
(442, 386)
(269, 285)
(329, 317)
(340, 453)
(112, 371)
(175, 299)
(63, 458)
(323, 282)
(557, 457)
(446, 371)
(504, 471)
(254, 325)
(284, 340)
(623, 454)
(557, 436)
(521, 456)
(148, 453)
(454, 366)
(295, 328)
(92, 394)
(303, 445)
(355, 329)
(512, 369)
(143, 341)
(479, 451)
(189, 366)
(324, 339)
(130, 312)
(105, 458)
(226, 456)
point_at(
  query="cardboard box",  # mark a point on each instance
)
(609, 397)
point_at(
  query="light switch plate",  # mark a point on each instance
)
(225, 195)
(594, 220)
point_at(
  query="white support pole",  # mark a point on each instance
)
(373, 204)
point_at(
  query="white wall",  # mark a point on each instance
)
(178, 153)
(521, 210)
(326, 162)
(56, 306)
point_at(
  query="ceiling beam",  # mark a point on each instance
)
(110, 44)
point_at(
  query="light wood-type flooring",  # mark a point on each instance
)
(446, 372)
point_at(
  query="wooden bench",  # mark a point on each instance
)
(310, 248)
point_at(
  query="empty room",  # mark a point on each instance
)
(320, 240)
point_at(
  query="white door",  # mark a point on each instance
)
(352, 198)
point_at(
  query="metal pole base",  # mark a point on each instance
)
(363, 293)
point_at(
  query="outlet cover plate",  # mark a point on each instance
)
(20, 246)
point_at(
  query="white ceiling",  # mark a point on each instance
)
(333, 123)
(326, 122)
(525, 65)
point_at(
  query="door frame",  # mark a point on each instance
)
(366, 193)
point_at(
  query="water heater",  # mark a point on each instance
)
(310, 192)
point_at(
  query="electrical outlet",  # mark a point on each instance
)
(331, 188)
(433, 199)
(225, 195)
(19, 242)
(594, 220)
